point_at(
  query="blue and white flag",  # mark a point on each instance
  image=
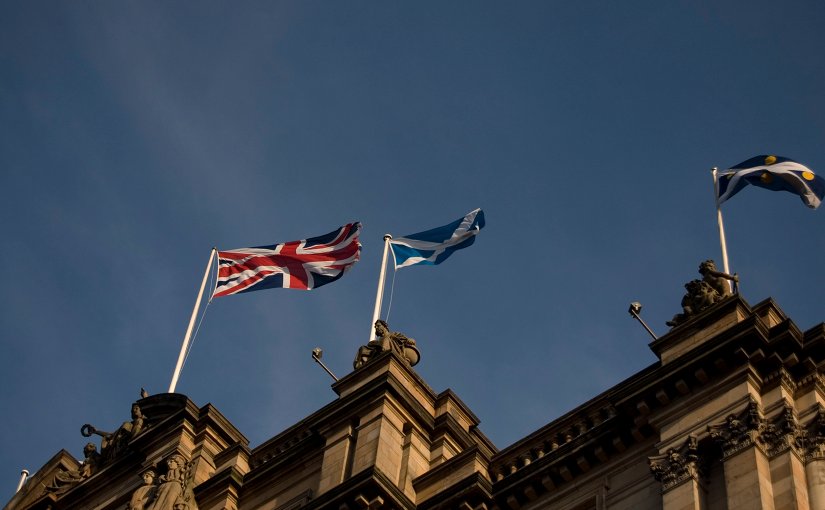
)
(774, 173)
(434, 246)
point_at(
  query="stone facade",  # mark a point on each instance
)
(731, 416)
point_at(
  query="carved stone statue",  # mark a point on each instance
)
(387, 341)
(701, 294)
(717, 279)
(65, 480)
(115, 442)
(145, 494)
(175, 489)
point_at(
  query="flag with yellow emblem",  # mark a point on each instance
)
(774, 173)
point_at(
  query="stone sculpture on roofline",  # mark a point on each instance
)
(387, 340)
(702, 294)
(112, 445)
(65, 480)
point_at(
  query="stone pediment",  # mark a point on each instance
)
(34, 490)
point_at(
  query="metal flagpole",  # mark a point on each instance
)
(379, 294)
(723, 244)
(188, 335)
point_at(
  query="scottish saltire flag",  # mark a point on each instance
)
(434, 246)
(304, 264)
(774, 173)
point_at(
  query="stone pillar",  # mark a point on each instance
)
(788, 478)
(747, 470)
(338, 454)
(678, 471)
(747, 480)
(789, 482)
(380, 442)
(815, 473)
(814, 447)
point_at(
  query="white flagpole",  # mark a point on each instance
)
(723, 244)
(379, 294)
(188, 335)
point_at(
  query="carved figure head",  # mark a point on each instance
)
(175, 461)
(707, 266)
(136, 412)
(89, 449)
(381, 328)
(148, 477)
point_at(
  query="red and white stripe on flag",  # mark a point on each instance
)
(304, 264)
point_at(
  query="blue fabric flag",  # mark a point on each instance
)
(774, 173)
(434, 246)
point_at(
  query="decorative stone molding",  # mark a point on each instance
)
(782, 433)
(738, 432)
(676, 466)
(551, 441)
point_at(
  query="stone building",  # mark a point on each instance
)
(730, 417)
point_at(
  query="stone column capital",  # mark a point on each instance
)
(676, 465)
(739, 431)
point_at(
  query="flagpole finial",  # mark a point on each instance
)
(387, 237)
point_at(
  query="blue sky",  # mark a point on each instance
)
(134, 136)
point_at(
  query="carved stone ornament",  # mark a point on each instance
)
(738, 432)
(114, 443)
(173, 490)
(782, 433)
(676, 466)
(387, 340)
(812, 438)
(63, 481)
(704, 293)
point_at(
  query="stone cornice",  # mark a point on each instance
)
(369, 489)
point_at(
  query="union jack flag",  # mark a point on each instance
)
(303, 264)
